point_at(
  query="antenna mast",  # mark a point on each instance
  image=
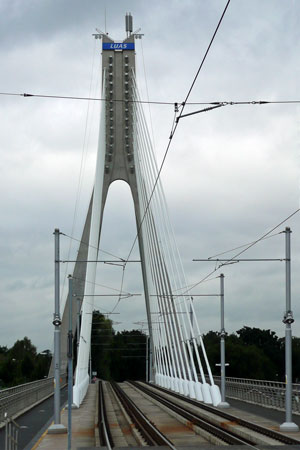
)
(128, 24)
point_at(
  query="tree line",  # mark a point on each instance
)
(21, 363)
(250, 352)
(117, 356)
(253, 353)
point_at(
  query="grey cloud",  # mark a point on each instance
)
(230, 175)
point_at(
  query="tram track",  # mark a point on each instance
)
(105, 436)
(229, 418)
(148, 430)
(216, 426)
(223, 436)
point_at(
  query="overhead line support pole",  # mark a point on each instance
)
(288, 319)
(147, 360)
(223, 403)
(70, 364)
(57, 427)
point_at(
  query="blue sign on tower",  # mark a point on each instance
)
(118, 46)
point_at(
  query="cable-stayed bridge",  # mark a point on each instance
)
(125, 153)
(178, 360)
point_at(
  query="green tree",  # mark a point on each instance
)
(129, 356)
(42, 363)
(18, 363)
(102, 338)
(27, 368)
(247, 361)
(270, 344)
(21, 348)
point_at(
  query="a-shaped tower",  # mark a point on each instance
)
(125, 153)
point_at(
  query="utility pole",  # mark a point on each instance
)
(223, 403)
(70, 364)
(147, 360)
(57, 427)
(151, 375)
(288, 319)
(78, 323)
(90, 364)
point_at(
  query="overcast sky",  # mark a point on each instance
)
(231, 174)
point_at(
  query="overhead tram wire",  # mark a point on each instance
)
(264, 236)
(241, 246)
(102, 285)
(230, 260)
(154, 102)
(176, 125)
(99, 249)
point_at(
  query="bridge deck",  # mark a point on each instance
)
(83, 423)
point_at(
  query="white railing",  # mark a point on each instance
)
(18, 398)
(270, 394)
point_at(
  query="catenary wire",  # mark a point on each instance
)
(153, 102)
(241, 246)
(264, 236)
(230, 261)
(89, 245)
(205, 55)
(101, 285)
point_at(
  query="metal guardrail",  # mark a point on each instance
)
(11, 434)
(17, 398)
(270, 394)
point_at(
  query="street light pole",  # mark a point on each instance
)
(57, 427)
(288, 319)
(223, 403)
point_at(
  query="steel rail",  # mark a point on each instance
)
(104, 430)
(147, 429)
(250, 425)
(227, 436)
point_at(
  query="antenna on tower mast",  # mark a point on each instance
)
(128, 24)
